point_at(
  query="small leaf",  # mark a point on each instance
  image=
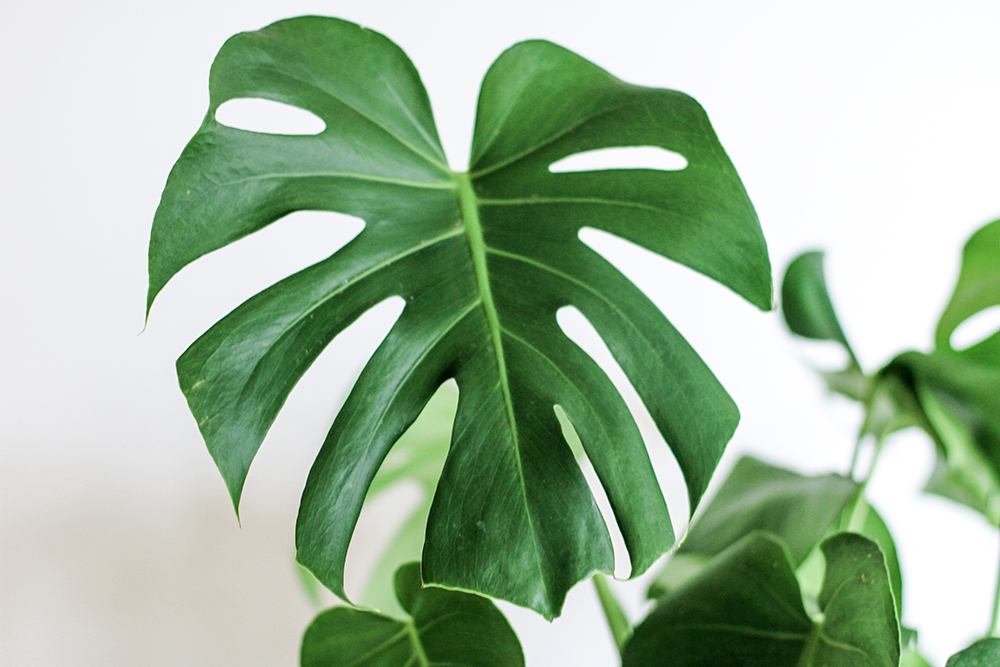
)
(978, 289)
(984, 653)
(446, 628)
(759, 496)
(745, 608)
(859, 625)
(806, 304)
(809, 312)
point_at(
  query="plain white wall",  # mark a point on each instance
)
(867, 129)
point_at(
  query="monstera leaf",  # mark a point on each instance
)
(978, 288)
(484, 260)
(417, 457)
(745, 608)
(444, 628)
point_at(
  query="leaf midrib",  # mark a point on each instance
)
(477, 246)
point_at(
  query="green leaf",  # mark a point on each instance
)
(875, 529)
(418, 457)
(960, 400)
(745, 608)
(809, 312)
(810, 573)
(984, 653)
(483, 260)
(446, 628)
(759, 496)
(978, 288)
(806, 304)
(912, 658)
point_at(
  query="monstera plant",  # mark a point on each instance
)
(484, 259)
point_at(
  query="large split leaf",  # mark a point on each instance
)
(745, 608)
(484, 260)
(445, 628)
(417, 457)
(978, 289)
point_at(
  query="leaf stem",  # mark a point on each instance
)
(859, 511)
(621, 629)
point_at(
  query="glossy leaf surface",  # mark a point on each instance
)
(984, 653)
(745, 608)
(484, 260)
(445, 628)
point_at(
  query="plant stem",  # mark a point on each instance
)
(859, 513)
(621, 629)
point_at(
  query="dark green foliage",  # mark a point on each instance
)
(445, 628)
(745, 608)
(484, 260)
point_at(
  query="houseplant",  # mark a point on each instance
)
(485, 259)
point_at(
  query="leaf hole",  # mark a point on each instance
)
(976, 329)
(668, 473)
(623, 564)
(255, 114)
(625, 157)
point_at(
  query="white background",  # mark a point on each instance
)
(868, 129)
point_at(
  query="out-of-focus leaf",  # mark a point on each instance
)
(446, 628)
(759, 496)
(984, 653)
(483, 260)
(310, 585)
(806, 304)
(417, 457)
(809, 312)
(911, 657)
(978, 288)
(745, 608)
(960, 400)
